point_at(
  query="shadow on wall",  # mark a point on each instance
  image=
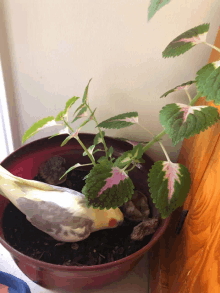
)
(8, 79)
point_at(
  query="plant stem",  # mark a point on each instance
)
(194, 100)
(146, 129)
(134, 165)
(81, 143)
(165, 152)
(212, 46)
(67, 124)
(85, 149)
(188, 95)
(102, 137)
(155, 139)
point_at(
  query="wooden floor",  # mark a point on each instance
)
(190, 262)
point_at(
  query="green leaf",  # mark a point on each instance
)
(208, 82)
(72, 135)
(98, 138)
(69, 104)
(169, 186)
(87, 120)
(82, 113)
(154, 6)
(66, 140)
(98, 150)
(107, 186)
(110, 152)
(120, 121)
(127, 157)
(85, 95)
(182, 121)
(62, 131)
(41, 124)
(183, 86)
(60, 116)
(186, 41)
(90, 150)
(80, 107)
(74, 167)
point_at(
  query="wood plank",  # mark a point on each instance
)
(189, 262)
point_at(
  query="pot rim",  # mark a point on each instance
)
(159, 232)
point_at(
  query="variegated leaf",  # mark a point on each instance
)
(128, 157)
(183, 86)
(110, 152)
(88, 120)
(85, 95)
(186, 41)
(98, 138)
(154, 6)
(120, 121)
(69, 104)
(169, 185)
(132, 142)
(82, 113)
(62, 131)
(74, 167)
(182, 121)
(208, 82)
(72, 135)
(37, 126)
(107, 186)
(79, 108)
(90, 150)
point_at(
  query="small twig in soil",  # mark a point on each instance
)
(41, 255)
(101, 255)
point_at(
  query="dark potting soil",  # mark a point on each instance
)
(100, 247)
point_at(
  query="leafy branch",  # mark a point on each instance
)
(108, 184)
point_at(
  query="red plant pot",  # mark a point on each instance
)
(24, 163)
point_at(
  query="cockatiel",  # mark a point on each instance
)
(60, 212)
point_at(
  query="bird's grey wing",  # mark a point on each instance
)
(55, 220)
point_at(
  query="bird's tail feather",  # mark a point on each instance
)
(5, 174)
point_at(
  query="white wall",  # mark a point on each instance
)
(6, 145)
(55, 46)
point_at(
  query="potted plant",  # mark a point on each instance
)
(119, 168)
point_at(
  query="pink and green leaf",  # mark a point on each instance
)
(154, 6)
(169, 185)
(183, 86)
(208, 82)
(107, 186)
(182, 121)
(120, 121)
(186, 41)
(37, 126)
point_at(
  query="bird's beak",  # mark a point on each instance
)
(105, 219)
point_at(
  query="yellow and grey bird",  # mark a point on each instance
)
(60, 212)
